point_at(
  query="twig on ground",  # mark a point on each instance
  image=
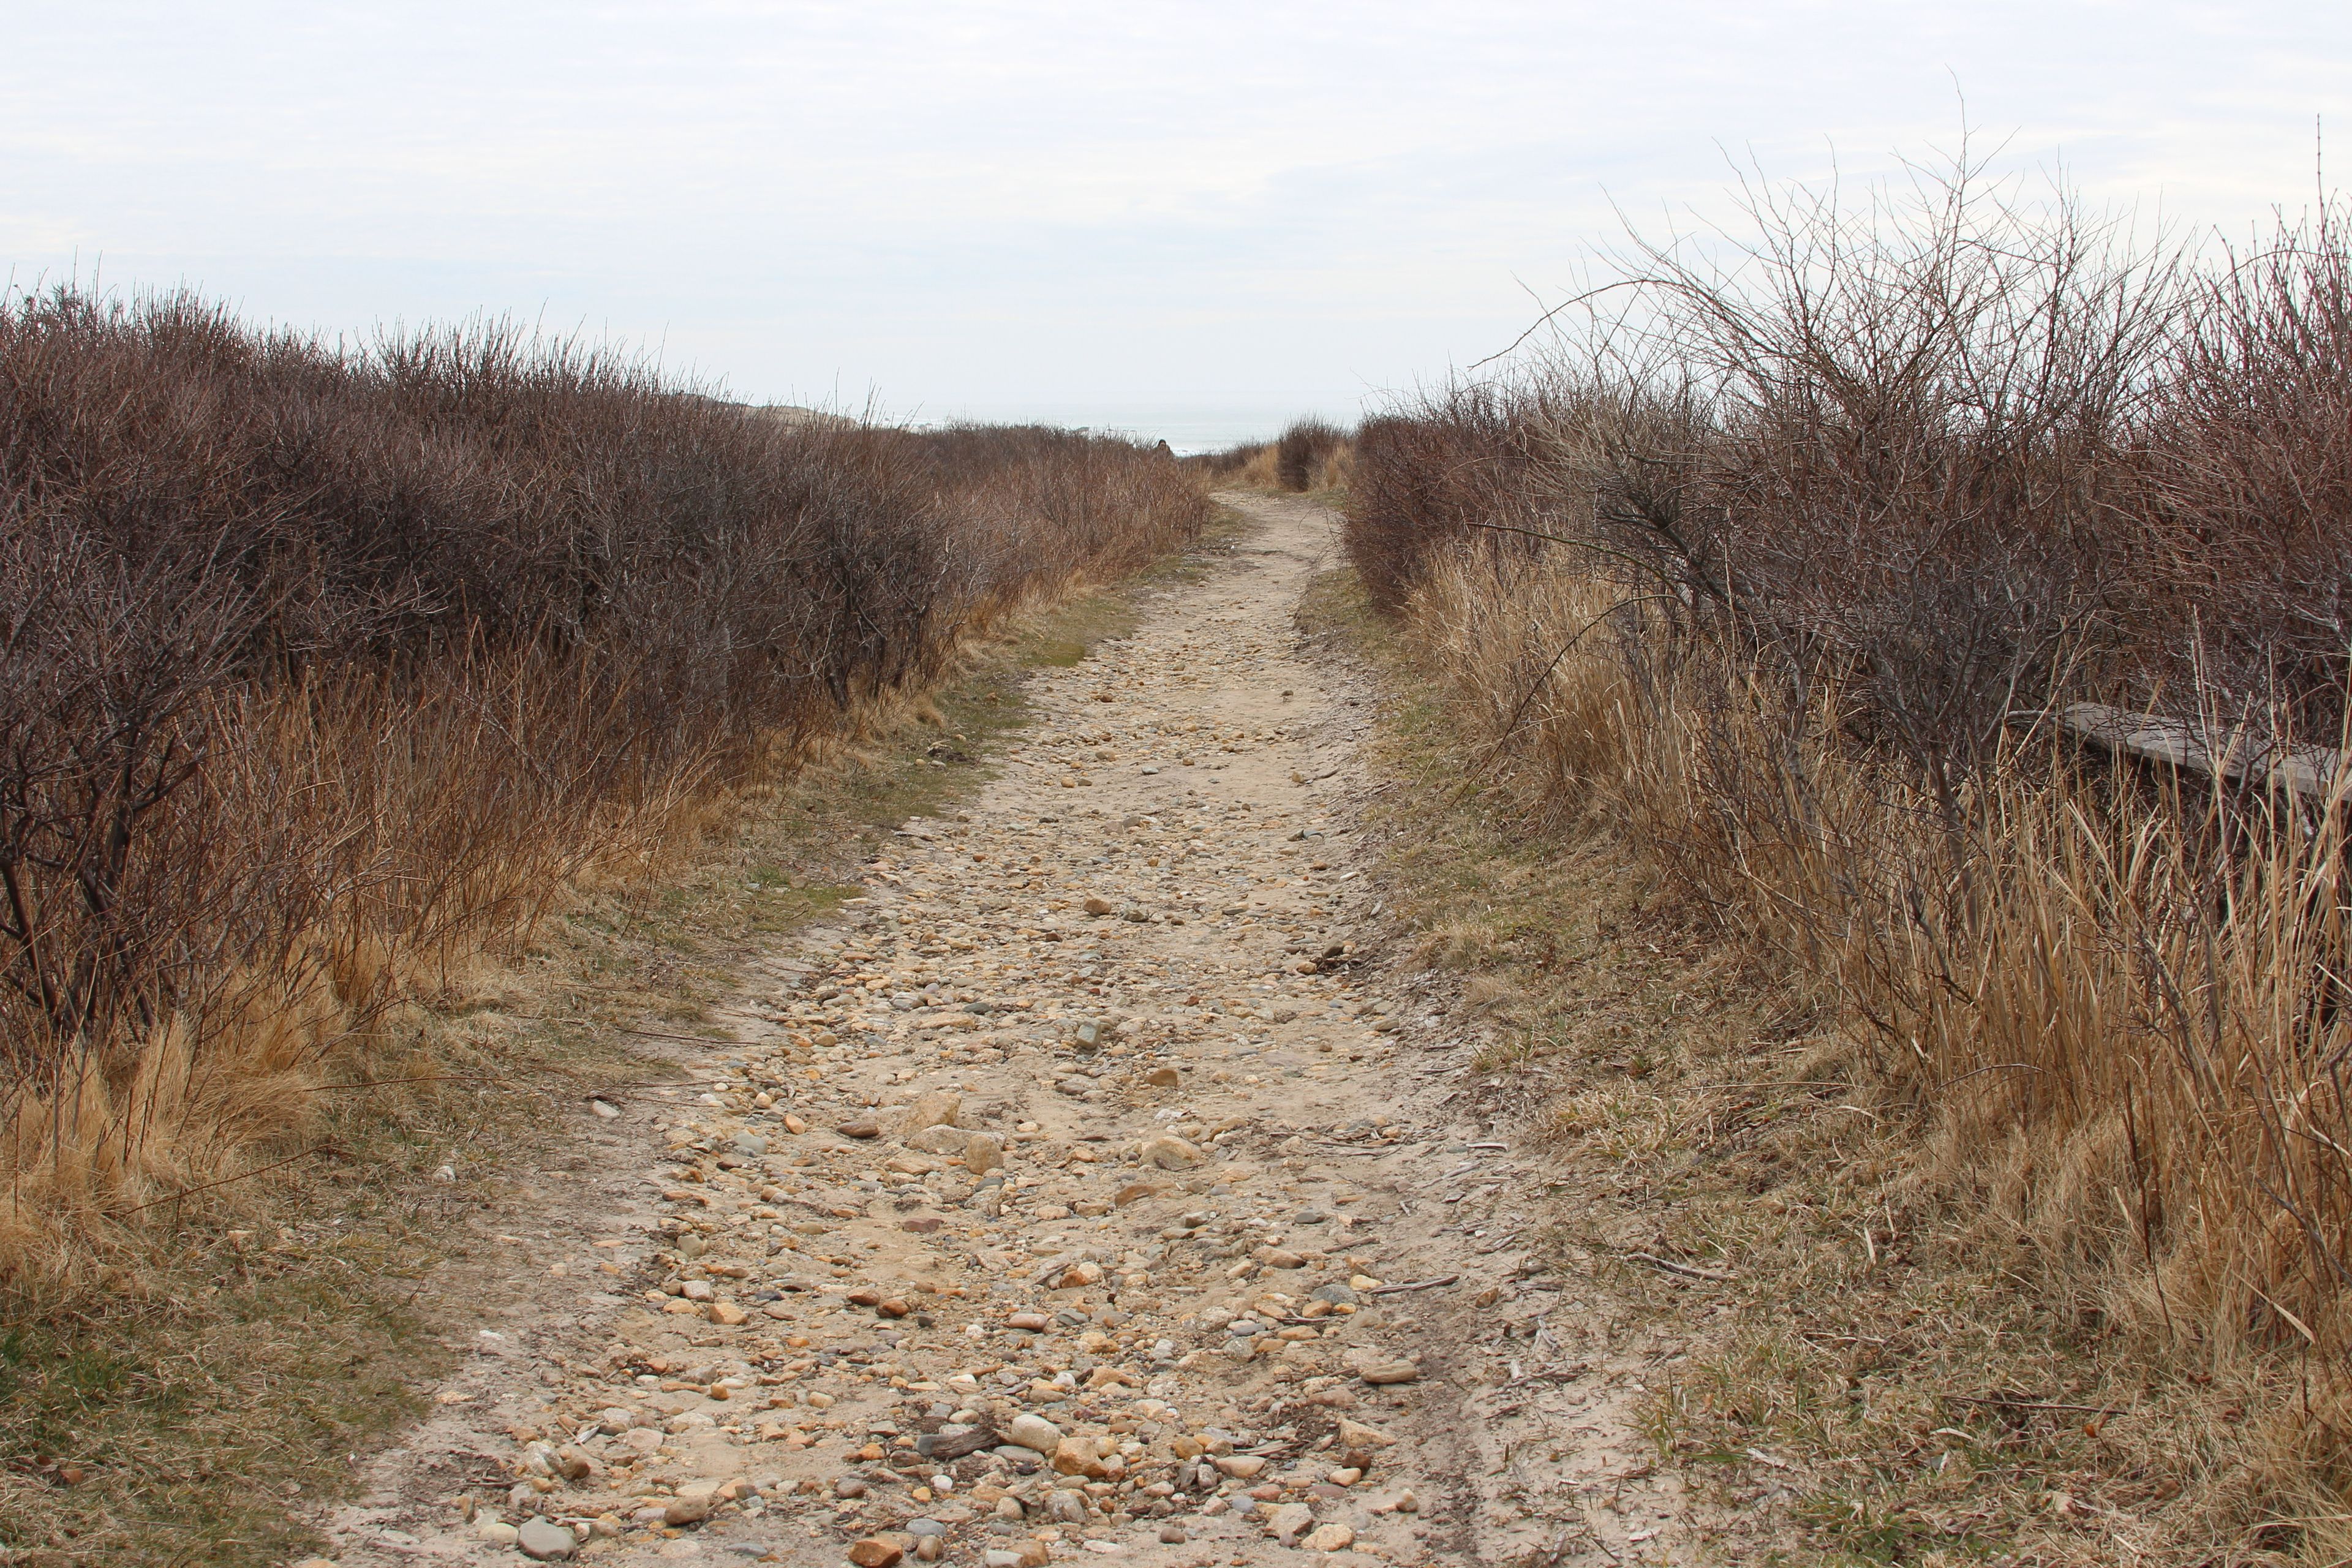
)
(647, 1034)
(1670, 1267)
(426, 1077)
(2035, 1404)
(241, 1176)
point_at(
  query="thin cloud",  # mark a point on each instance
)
(1041, 206)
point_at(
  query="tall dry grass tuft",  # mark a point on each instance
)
(1334, 468)
(1303, 452)
(1311, 455)
(1530, 659)
(1783, 576)
(327, 668)
(1250, 464)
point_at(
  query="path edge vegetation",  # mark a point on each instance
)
(1767, 586)
(1852, 1356)
(200, 1394)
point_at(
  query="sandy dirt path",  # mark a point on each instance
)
(1088, 1189)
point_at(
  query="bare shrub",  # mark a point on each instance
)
(1431, 477)
(2249, 473)
(324, 669)
(1780, 572)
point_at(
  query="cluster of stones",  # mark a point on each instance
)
(1038, 1208)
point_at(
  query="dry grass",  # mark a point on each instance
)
(191, 1403)
(328, 670)
(1330, 472)
(2066, 1120)
(356, 705)
(1910, 1322)
(1310, 458)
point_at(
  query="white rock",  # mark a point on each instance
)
(938, 1139)
(1033, 1432)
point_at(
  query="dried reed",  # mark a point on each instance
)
(1778, 573)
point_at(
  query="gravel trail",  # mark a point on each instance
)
(1084, 1190)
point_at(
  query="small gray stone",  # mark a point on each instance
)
(926, 1527)
(544, 1542)
(750, 1143)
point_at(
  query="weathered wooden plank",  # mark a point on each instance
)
(2242, 755)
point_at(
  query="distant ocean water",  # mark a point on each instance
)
(1187, 428)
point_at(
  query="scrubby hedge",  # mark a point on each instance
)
(314, 654)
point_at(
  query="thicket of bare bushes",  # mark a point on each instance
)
(1786, 566)
(322, 666)
(1310, 454)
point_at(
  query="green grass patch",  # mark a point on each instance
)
(182, 1431)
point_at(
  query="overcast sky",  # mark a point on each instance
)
(1064, 209)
